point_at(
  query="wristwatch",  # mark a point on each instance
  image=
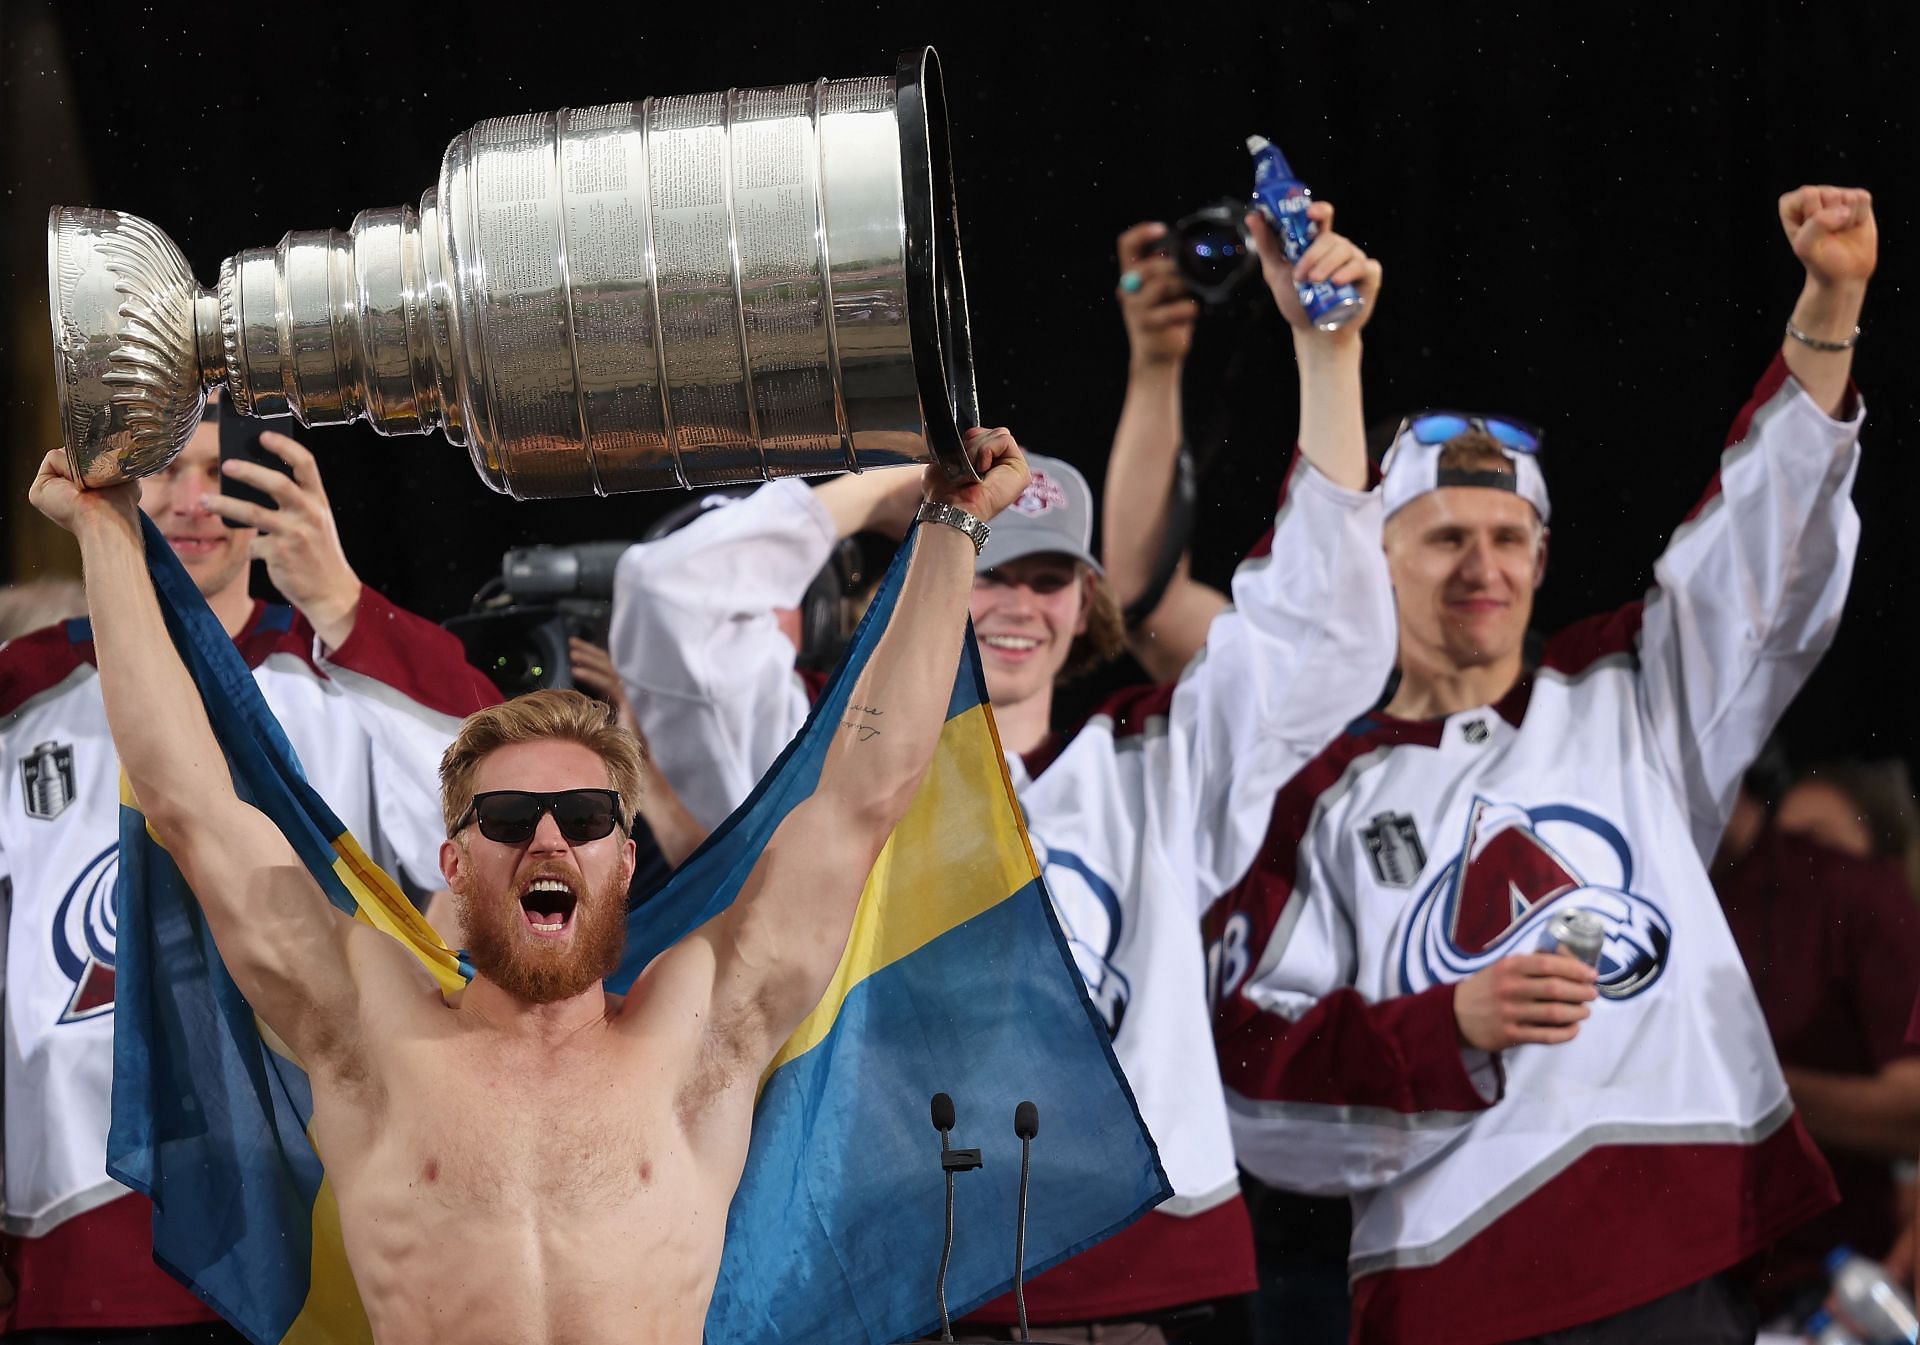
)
(933, 511)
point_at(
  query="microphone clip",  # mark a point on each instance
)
(959, 1160)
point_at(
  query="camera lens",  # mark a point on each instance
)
(1212, 251)
(1209, 255)
(516, 670)
(520, 650)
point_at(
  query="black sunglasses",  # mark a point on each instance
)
(511, 816)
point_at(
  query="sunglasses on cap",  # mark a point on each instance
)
(511, 816)
(1440, 427)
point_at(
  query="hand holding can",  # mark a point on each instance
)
(1284, 199)
(1577, 933)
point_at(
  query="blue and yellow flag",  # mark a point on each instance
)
(956, 979)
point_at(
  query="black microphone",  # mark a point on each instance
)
(1026, 1124)
(951, 1161)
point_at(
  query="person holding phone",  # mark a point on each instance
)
(370, 696)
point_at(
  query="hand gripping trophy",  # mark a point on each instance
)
(683, 291)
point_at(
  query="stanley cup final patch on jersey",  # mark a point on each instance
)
(46, 780)
(1392, 843)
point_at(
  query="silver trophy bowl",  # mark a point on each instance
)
(684, 291)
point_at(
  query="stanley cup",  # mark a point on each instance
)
(683, 291)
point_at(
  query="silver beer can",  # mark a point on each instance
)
(1577, 933)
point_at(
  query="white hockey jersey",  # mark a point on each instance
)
(1157, 803)
(1499, 1198)
(369, 722)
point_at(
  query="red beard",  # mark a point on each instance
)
(533, 971)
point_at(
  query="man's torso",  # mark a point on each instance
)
(537, 1192)
(1444, 846)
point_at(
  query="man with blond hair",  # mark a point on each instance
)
(596, 1139)
(549, 905)
(1540, 1146)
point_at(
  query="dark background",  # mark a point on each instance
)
(1575, 206)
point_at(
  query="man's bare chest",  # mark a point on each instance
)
(475, 1128)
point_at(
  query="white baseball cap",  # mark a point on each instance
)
(1412, 465)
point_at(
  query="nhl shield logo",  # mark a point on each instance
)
(1392, 843)
(46, 780)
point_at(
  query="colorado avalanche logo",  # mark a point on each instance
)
(1516, 869)
(1089, 912)
(1042, 495)
(83, 937)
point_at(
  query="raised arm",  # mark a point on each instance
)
(776, 948)
(1309, 641)
(698, 637)
(281, 940)
(1748, 593)
(697, 640)
(1136, 511)
(1832, 232)
(1141, 469)
(1333, 423)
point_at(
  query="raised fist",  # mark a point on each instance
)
(1832, 232)
(1002, 465)
(60, 497)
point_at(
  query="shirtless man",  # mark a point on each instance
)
(535, 1160)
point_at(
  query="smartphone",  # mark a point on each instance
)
(240, 438)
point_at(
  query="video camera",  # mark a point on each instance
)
(522, 618)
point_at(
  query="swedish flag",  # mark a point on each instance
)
(956, 979)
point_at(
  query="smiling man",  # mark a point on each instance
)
(369, 696)
(597, 1140)
(1539, 1149)
(705, 626)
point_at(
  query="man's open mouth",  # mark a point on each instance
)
(548, 906)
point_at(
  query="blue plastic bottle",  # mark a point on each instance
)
(1284, 200)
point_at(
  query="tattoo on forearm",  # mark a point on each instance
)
(863, 732)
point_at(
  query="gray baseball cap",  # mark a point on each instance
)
(1053, 516)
